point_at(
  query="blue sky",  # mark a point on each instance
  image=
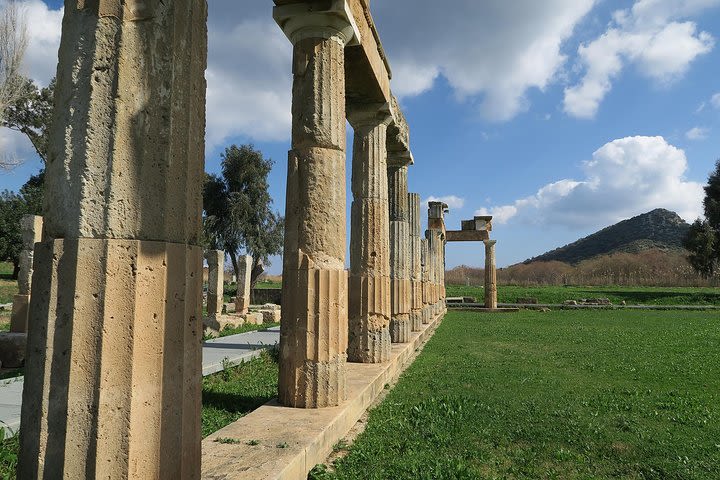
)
(559, 117)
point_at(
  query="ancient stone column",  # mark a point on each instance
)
(113, 372)
(369, 292)
(432, 240)
(490, 274)
(31, 227)
(416, 319)
(400, 325)
(314, 335)
(216, 277)
(425, 280)
(242, 298)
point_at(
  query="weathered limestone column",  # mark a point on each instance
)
(242, 297)
(416, 319)
(425, 280)
(314, 335)
(216, 276)
(400, 325)
(369, 292)
(31, 227)
(432, 240)
(490, 274)
(113, 372)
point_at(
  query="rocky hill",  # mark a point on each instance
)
(659, 229)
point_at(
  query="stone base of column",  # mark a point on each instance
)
(400, 328)
(113, 371)
(242, 305)
(416, 320)
(214, 305)
(426, 314)
(20, 313)
(491, 299)
(369, 320)
(313, 338)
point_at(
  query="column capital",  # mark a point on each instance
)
(400, 159)
(369, 114)
(489, 243)
(315, 20)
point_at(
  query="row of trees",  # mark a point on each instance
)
(703, 239)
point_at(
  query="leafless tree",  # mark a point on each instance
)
(13, 43)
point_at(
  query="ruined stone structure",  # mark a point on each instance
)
(31, 227)
(112, 385)
(242, 298)
(113, 369)
(478, 230)
(216, 276)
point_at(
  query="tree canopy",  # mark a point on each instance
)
(238, 209)
(12, 208)
(703, 239)
(30, 113)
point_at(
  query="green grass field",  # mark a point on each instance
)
(631, 295)
(569, 394)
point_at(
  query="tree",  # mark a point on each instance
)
(30, 114)
(12, 208)
(238, 209)
(703, 238)
(13, 43)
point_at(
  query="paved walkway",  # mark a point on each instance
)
(217, 354)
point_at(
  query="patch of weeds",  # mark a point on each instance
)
(340, 446)
(252, 443)
(282, 445)
(9, 447)
(226, 440)
(320, 472)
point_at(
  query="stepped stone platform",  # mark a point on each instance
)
(275, 442)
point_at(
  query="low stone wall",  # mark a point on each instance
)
(262, 296)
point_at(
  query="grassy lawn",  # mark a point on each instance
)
(570, 394)
(227, 331)
(631, 295)
(226, 396)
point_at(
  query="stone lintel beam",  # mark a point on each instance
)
(466, 235)
(482, 222)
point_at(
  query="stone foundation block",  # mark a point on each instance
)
(12, 349)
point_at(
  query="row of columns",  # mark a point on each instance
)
(113, 372)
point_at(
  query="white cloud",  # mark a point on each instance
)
(452, 201)
(697, 133)
(715, 100)
(492, 51)
(652, 36)
(625, 177)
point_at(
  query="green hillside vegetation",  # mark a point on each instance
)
(658, 229)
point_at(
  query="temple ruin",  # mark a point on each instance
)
(113, 373)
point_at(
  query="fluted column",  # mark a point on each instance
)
(113, 372)
(425, 280)
(490, 275)
(416, 319)
(314, 335)
(369, 292)
(400, 326)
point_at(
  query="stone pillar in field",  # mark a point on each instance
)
(242, 298)
(369, 282)
(31, 227)
(425, 280)
(416, 319)
(432, 240)
(490, 275)
(400, 325)
(216, 276)
(436, 247)
(314, 335)
(113, 369)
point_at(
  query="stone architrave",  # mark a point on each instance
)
(242, 298)
(216, 276)
(425, 280)
(113, 369)
(400, 325)
(490, 275)
(314, 335)
(31, 227)
(416, 304)
(369, 282)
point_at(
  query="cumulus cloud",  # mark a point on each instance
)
(697, 133)
(624, 178)
(492, 51)
(452, 201)
(653, 35)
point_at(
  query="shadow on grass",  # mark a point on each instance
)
(233, 403)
